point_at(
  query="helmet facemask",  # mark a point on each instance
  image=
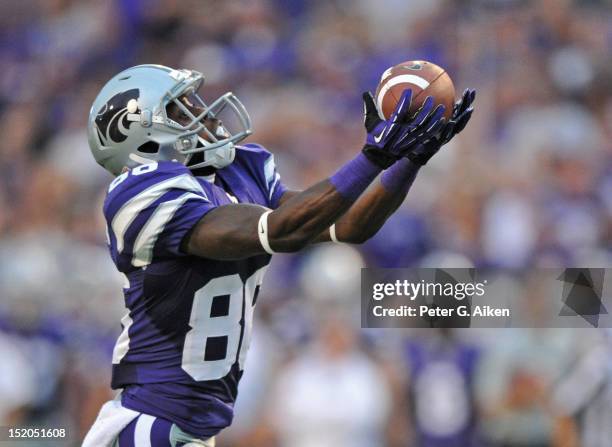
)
(190, 116)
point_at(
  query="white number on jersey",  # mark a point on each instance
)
(142, 169)
(208, 327)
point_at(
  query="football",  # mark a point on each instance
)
(423, 78)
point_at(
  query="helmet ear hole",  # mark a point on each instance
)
(150, 147)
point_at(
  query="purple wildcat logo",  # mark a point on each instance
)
(111, 123)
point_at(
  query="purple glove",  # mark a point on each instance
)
(389, 140)
(462, 112)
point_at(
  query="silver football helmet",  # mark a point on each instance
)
(129, 123)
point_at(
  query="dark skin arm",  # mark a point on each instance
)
(230, 232)
(367, 215)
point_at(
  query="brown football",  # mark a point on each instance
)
(423, 78)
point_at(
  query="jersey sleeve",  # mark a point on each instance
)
(275, 187)
(149, 213)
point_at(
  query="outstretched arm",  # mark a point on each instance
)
(377, 204)
(233, 231)
(368, 214)
(240, 231)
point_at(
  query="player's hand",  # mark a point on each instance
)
(462, 112)
(389, 140)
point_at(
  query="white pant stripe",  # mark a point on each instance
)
(142, 433)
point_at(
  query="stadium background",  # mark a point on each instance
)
(529, 183)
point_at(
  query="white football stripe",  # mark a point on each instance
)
(130, 209)
(386, 73)
(401, 79)
(145, 242)
(142, 432)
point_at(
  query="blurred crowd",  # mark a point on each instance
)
(527, 184)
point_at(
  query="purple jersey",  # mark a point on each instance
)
(185, 338)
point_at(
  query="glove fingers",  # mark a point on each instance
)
(464, 103)
(448, 132)
(437, 126)
(463, 120)
(468, 99)
(370, 113)
(472, 95)
(368, 103)
(458, 105)
(430, 134)
(405, 136)
(434, 116)
(421, 114)
(413, 141)
(403, 106)
(429, 126)
(401, 110)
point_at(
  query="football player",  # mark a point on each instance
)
(192, 221)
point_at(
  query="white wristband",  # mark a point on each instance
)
(332, 234)
(262, 231)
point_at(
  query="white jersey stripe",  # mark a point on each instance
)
(142, 432)
(272, 177)
(123, 342)
(130, 209)
(273, 187)
(269, 169)
(143, 247)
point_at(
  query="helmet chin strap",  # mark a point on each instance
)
(216, 158)
(220, 157)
